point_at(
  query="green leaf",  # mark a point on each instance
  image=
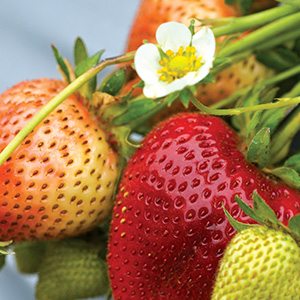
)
(254, 124)
(114, 82)
(238, 226)
(288, 175)
(88, 89)
(278, 59)
(80, 51)
(259, 148)
(293, 162)
(248, 210)
(61, 63)
(263, 210)
(294, 225)
(135, 110)
(268, 94)
(88, 63)
(273, 117)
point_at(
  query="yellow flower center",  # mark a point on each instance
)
(177, 65)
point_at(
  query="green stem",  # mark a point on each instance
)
(283, 138)
(271, 43)
(241, 110)
(294, 92)
(253, 21)
(270, 81)
(57, 100)
(259, 36)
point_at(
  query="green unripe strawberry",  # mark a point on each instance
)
(71, 269)
(29, 256)
(259, 263)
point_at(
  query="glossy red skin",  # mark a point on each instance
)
(169, 230)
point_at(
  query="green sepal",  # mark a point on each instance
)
(254, 124)
(209, 78)
(80, 51)
(294, 225)
(135, 109)
(263, 210)
(290, 176)
(238, 226)
(87, 89)
(88, 63)
(113, 83)
(248, 210)
(192, 26)
(293, 162)
(259, 148)
(273, 117)
(171, 98)
(61, 64)
(185, 97)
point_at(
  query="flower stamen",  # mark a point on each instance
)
(177, 65)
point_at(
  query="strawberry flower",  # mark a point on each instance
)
(179, 60)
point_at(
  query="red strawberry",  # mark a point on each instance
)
(60, 180)
(154, 12)
(169, 230)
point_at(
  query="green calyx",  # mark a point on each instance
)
(264, 215)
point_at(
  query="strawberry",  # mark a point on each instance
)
(71, 269)
(29, 256)
(60, 180)
(169, 230)
(154, 12)
(259, 263)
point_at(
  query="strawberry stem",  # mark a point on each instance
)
(241, 24)
(260, 36)
(283, 138)
(57, 100)
(241, 110)
(270, 81)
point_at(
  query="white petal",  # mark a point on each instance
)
(200, 74)
(161, 89)
(205, 43)
(173, 35)
(146, 63)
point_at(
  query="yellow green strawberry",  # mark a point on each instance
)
(261, 261)
(29, 256)
(72, 269)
